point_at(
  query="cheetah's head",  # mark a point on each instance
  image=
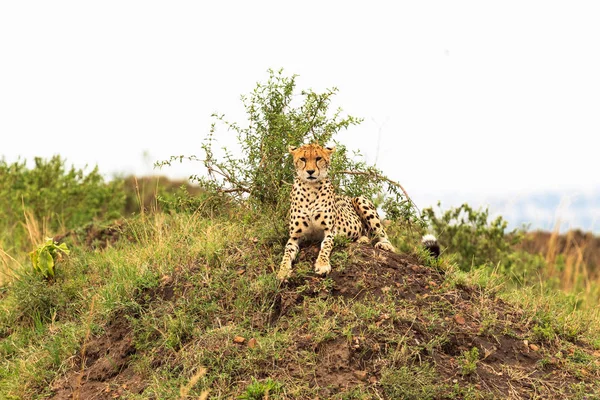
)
(311, 161)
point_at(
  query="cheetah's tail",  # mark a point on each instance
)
(431, 244)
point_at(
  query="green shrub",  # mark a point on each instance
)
(32, 302)
(57, 198)
(410, 382)
(157, 193)
(473, 239)
(259, 171)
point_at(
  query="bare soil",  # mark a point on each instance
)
(103, 371)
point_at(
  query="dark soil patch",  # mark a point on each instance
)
(338, 369)
(104, 371)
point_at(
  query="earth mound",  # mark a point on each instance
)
(410, 332)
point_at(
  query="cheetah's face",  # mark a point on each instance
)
(311, 161)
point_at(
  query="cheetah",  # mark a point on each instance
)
(317, 213)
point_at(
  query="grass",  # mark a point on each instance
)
(192, 309)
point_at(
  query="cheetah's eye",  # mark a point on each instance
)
(319, 158)
(303, 159)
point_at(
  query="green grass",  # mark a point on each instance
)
(186, 288)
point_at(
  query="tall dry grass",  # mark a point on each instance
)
(14, 255)
(572, 260)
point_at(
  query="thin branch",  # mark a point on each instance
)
(234, 190)
(213, 168)
(382, 178)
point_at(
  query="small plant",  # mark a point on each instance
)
(544, 362)
(468, 361)
(46, 255)
(261, 390)
(581, 357)
(341, 242)
(543, 332)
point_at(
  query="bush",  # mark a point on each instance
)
(410, 382)
(56, 197)
(259, 171)
(468, 235)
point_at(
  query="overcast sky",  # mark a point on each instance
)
(462, 100)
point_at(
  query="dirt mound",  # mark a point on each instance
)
(401, 319)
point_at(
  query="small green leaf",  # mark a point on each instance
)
(63, 247)
(34, 259)
(46, 262)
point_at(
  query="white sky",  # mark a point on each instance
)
(472, 99)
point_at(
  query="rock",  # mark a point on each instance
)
(360, 375)
(239, 339)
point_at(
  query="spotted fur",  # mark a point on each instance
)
(317, 213)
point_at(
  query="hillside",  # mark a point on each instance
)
(184, 306)
(583, 247)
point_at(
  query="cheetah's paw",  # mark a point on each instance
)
(384, 245)
(322, 267)
(285, 271)
(363, 240)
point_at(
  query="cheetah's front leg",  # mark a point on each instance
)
(322, 265)
(368, 214)
(291, 249)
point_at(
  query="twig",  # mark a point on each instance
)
(383, 178)
(215, 169)
(234, 190)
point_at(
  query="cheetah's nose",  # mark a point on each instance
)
(310, 171)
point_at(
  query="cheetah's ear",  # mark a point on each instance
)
(292, 149)
(330, 149)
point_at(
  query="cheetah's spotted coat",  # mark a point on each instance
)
(318, 213)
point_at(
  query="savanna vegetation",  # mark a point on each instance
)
(144, 288)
